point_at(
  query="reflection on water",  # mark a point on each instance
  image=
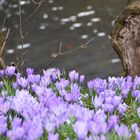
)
(70, 22)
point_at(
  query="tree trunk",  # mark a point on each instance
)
(126, 38)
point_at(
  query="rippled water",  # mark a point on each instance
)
(70, 23)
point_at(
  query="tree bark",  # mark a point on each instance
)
(126, 38)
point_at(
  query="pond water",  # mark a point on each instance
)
(65, 23)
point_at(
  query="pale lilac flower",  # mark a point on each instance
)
(82, 77)
(16, 122)
(22, 82)
(99, 85)
(123, 132)
(1, 73)
(137, 135)
(90, 85)
(4, 108)
(16, 133)
(52, 136)
(33, 78)
(116, 100)
(60, 85)
(15, 85)
(80, 128)
(134, 127)
(122, 108)
(10, 71)
(135, 93)
(93, 127)
(45, 81)
(53, 73)
(3, 124)
(74, 93)
(97, 101)
(112, 122)
(73, 75)
(29, 71)
(107, 108)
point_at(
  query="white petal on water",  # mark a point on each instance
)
(101, 34)
(24, 46)
(45, 16)
(72, 18)
(69, 19)
(60, 7)
(89, 7)
(53, 55)
(86, 13)
(43, 26)
(115, 60)
(77, 25)
(95, 31)
(22, 2)
(89, 24)
(84, 36)
(4, 29)
(54, 8)
(96, 19)
(10, 51)
(64, 20)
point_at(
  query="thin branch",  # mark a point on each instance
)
(6, 37)
(3, 24)
(70, 51)
(20, 20)
(80, 47)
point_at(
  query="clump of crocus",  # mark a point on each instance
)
(55, 107)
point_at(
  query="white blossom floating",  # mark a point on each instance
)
(23, 46)
(115, 60)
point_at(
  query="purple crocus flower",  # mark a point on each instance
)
(82, 77)
(16, 122)
(33, 78)
(134, 127)
(122, 108)
(137, 135)
(52, 136)
(3, 124)
(10, 71)
(4, 108)
(135, 93)
(15, 85)
(123, 132)
(116, 100)
(1, 73)
(16, 133)
(90, 85)
(22, 82)
(107, 108)
(29, 71)
(112, 122)
(80, 128)
(97, 101)
(73, 75)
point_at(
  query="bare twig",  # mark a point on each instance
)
(70, 51)
(80, 47)
(6, 37)
(3, 24)
(20, 20)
